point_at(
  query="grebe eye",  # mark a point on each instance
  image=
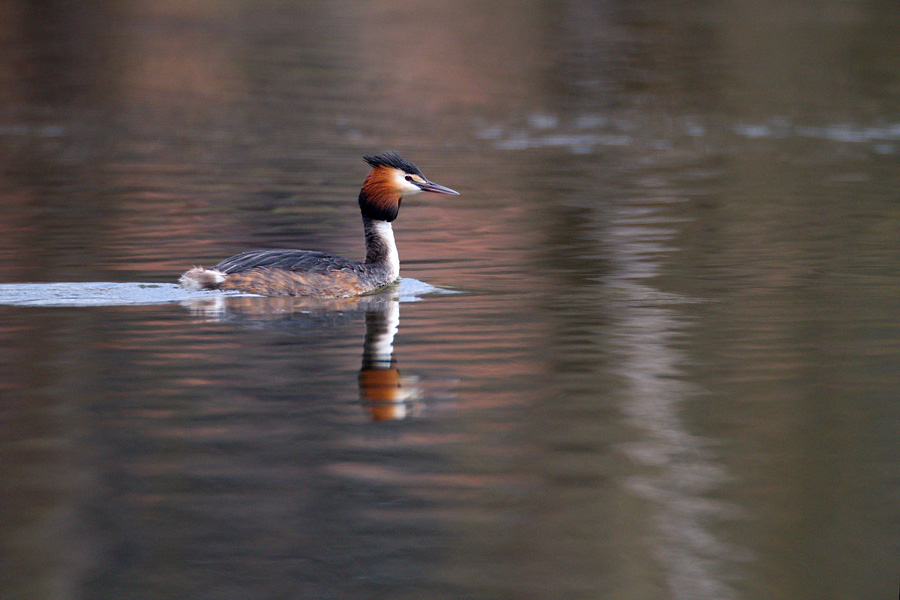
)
(408, 178)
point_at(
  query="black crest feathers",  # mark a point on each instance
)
(392, 159)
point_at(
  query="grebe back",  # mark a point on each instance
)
(311, 273)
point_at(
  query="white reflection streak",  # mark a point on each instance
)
(380, 348)
(679, 470)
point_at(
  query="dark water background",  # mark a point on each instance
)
(673, 372)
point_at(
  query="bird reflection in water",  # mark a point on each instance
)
(384, 392)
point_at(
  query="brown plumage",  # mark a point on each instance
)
(281, 282)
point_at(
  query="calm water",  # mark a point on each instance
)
(669, 370)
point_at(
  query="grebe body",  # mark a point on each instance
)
(310, 273)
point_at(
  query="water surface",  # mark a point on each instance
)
(669, 370)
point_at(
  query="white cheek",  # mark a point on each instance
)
(406, 188)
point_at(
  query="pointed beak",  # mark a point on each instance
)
(427, 186)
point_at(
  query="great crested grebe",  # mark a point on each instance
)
(310, 273)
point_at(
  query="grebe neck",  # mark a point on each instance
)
(381, 250)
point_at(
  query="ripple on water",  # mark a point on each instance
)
(124, 294)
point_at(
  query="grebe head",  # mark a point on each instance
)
(390, 180)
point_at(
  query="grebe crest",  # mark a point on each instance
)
(310, 273)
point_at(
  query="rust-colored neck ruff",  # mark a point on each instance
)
(378, 198)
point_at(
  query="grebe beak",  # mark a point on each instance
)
(427, 186)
